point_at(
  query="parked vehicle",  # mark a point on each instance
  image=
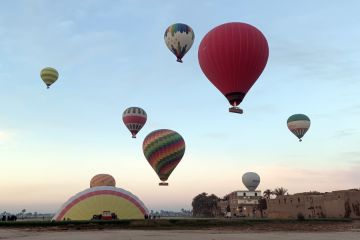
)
(106, 215)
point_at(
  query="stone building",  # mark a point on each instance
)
(240, 204)
(337, 204)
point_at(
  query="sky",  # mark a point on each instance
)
(111, 55)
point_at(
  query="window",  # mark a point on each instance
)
(244, 194)
(255, 194)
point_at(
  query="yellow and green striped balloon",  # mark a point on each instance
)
(49, 76)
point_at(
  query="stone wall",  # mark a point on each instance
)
(337, 204)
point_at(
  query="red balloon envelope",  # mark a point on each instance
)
(233, 56)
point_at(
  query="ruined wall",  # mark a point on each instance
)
(288, 206)
(336, 204)
(354, 202)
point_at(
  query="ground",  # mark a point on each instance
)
(189, 229)
(174, 235)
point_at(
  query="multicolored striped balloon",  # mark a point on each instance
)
(298, 124)
(164, 149)
(134, 119)
(49, 75)
(102, 180)
(179, 38)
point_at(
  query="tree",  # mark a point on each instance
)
(23, 213)
(205, 206)
(268, 193)
(280, 191)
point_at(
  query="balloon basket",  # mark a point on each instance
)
(179, 60)
(163, 184)
(236, 110)
(133, 136)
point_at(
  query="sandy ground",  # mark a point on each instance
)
(174, 235)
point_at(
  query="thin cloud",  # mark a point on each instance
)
(355, 109)
(66, 24)
(264, 108)
(345, 132)
(352, 157)
(324, 62)
(306, 179)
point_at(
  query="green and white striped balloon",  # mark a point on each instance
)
(49, 75)
(298, 124)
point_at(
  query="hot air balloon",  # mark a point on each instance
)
(179, 38)
(251, 180)
(134, 119)
(163, 149)
(232, 56)
(102, 180)
(298, 124)
(49, 76)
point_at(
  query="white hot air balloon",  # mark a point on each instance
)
(251, 180)
(179, 38)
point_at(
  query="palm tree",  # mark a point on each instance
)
(268, 193)
(280, 191)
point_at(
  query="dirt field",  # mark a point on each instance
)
(184, 229)
(174, 235)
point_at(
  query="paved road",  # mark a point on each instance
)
(174, 235)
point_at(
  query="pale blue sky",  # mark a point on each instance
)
(111, 55)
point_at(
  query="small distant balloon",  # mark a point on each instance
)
(251, 180)
(49, 76)
(298, 124)
(163, 150)
(134, 119)
(179, 38)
